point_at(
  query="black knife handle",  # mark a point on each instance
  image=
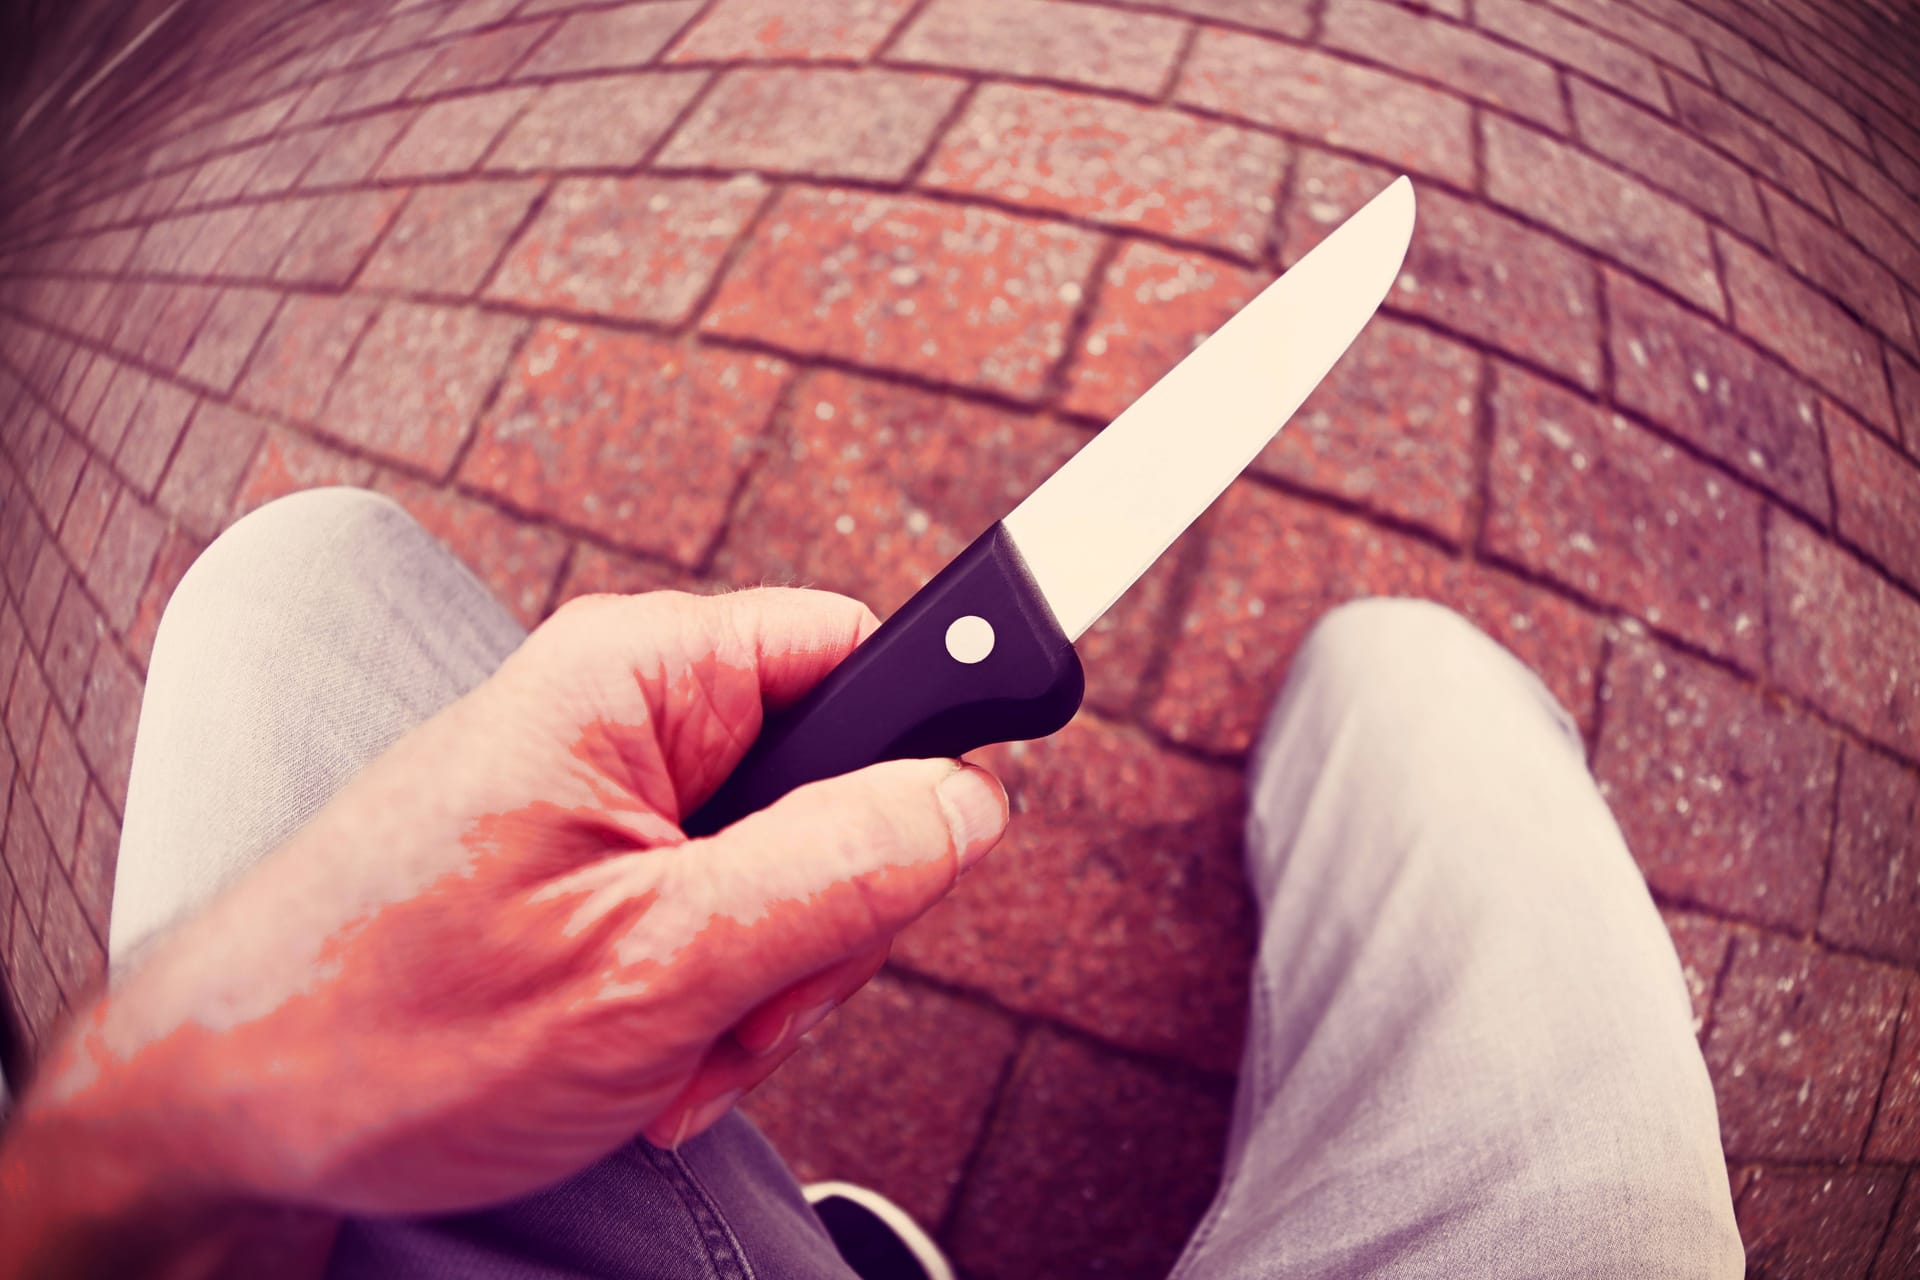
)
(903, 694)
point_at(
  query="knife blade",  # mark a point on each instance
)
(984, 652)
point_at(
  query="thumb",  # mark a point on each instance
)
(833, 869)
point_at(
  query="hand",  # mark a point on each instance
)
(494, 956)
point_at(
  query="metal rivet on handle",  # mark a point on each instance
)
(970, 639)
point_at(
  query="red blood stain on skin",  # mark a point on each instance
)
(691, 705)
(714, 715)
(418, 1080)
(415, 1007)
(623, 766)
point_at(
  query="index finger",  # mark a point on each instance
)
(796, 636)
(688, 680)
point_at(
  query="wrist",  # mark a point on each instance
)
(97, 1179)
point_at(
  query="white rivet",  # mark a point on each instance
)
(970, 639)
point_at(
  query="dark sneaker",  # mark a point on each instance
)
(875, 1235)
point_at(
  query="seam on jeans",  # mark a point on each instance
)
(1197, 1242)
(725, 1255)
(1263, 1066)
(1259, 1070)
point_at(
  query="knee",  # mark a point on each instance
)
(276, 555)
(1405, 665)
(1365, 638)
(1408, 738)
(1399, 649)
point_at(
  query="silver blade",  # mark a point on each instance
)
(1105, 516)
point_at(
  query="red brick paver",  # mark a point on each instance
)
(1814, 334)
(1540, 177)
(1472, 269)
(1669, 158)
(1799, 1046)
(1329, 99)
(1873, 894)
(961, 294)
(450, 136)
(1896, 1130)
(1586, 499)
(627, 36)
(1051, 1145)
(446, 239)
(1900, 1251)
(1115, 163)
(602, 122)
(1156, 305)
(624, 295)
(871, 463)
(1725, 797)
(931, 1060)
(1878, 495)
(627, 248)
(418, 377)
(1817, 1223)
(824, 122)
(632, 405)
(746, 30)
(1683, 371)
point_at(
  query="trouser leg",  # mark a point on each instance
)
(305, 641)
(1470, 1049)
(299, 646)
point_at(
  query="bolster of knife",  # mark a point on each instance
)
(975, 657)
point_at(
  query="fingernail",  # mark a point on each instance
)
(779, 1038)
(795, 1026)
(703, 1117)
(976, 811)
(807, 1019)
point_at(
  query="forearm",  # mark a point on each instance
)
(71, 1204)
(101, 1176)
(78, 1200)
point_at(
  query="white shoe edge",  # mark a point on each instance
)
(898, 1220)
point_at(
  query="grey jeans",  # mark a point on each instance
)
(1470, 1047)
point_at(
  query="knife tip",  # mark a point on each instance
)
(1396, 211)
(1401, 190)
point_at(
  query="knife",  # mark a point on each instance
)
(984, 652)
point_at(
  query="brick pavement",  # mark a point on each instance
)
(706, 292)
